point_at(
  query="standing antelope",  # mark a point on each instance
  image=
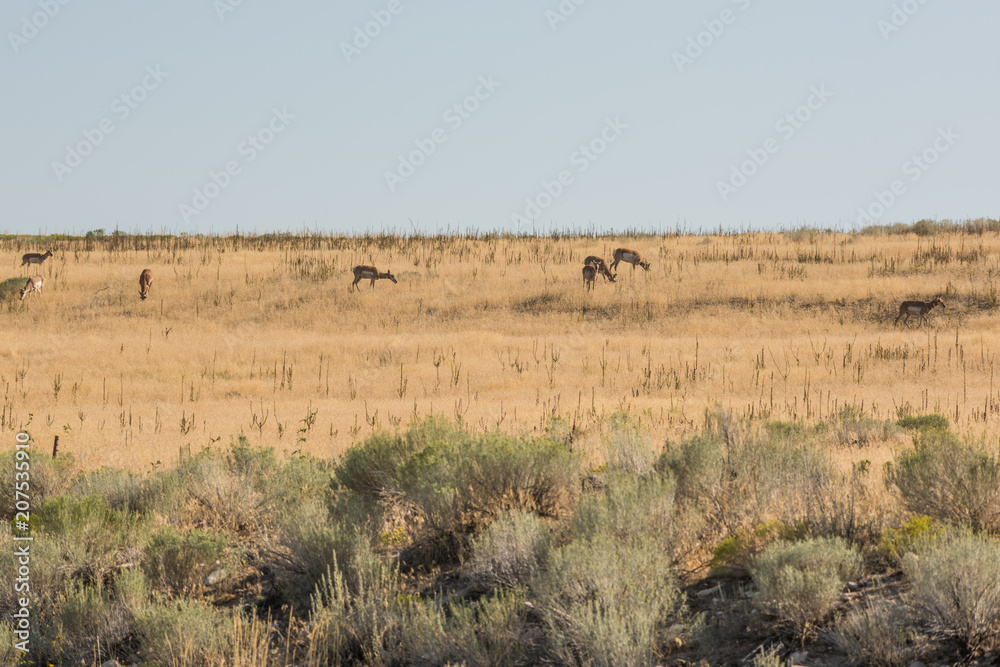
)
(920, 308)
(35, 258)
(630, 256)
(145, 280)
(589, 276)
(363, 272)
(34, 284)
(600, 265)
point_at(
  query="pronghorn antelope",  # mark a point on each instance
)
(145, 280)
(920, 308)
(370, 272)
(589, 276)
(601, 266)
(35, 257)
(630, 256)
(34, 284)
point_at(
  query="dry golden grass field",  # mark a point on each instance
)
(262, 336)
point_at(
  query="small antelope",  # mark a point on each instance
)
(145, 280)
(34, 284)
(35, 257)
(589, 276)
(920, 308)
(630, 256)
(370, 272)
(601, 266)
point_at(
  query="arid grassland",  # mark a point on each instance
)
(263, 337)
(735, 458)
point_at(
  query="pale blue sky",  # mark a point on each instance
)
(199, 82)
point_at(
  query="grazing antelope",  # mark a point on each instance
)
(630, 256)
(370, 272)
(35, 257)
(600, 265)
(34, 284)
(589, 276)
(145, 280)
(920, 308)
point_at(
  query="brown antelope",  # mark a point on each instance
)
(589, 276)
(34, 284)
(601, 266)
(145, 280)
(920, 308)
(35, 257)
(364, 272)
(630, 256)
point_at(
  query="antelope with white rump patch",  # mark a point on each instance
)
(145, 280)
(34, 284)
(600, 266)
(35, 257)
(920, 308)
(630, 256)
(364, 272)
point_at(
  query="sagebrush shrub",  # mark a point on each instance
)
(179, 562)
(90, 536)
(739, 478)
(956, 590)
(459, 487)
(879, 632)
(949, 479)
(605, 602)
(852, 427)
(185, 632)
(629, 449)
(799, 582)
(510, 551)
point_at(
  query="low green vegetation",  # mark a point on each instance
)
(438, 546)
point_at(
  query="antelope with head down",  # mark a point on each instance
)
(365, 272)
(600, 266)
(630, 256)
(145, 280)
(34, 284)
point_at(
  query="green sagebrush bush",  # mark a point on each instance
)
(510, 551)
(799, 582)
(956, 589)
(606, 602)
(458, 488)
(879, 632)
(177, 562)
(739, 477)
(949, 479)
(185, 632)
(372, 468)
